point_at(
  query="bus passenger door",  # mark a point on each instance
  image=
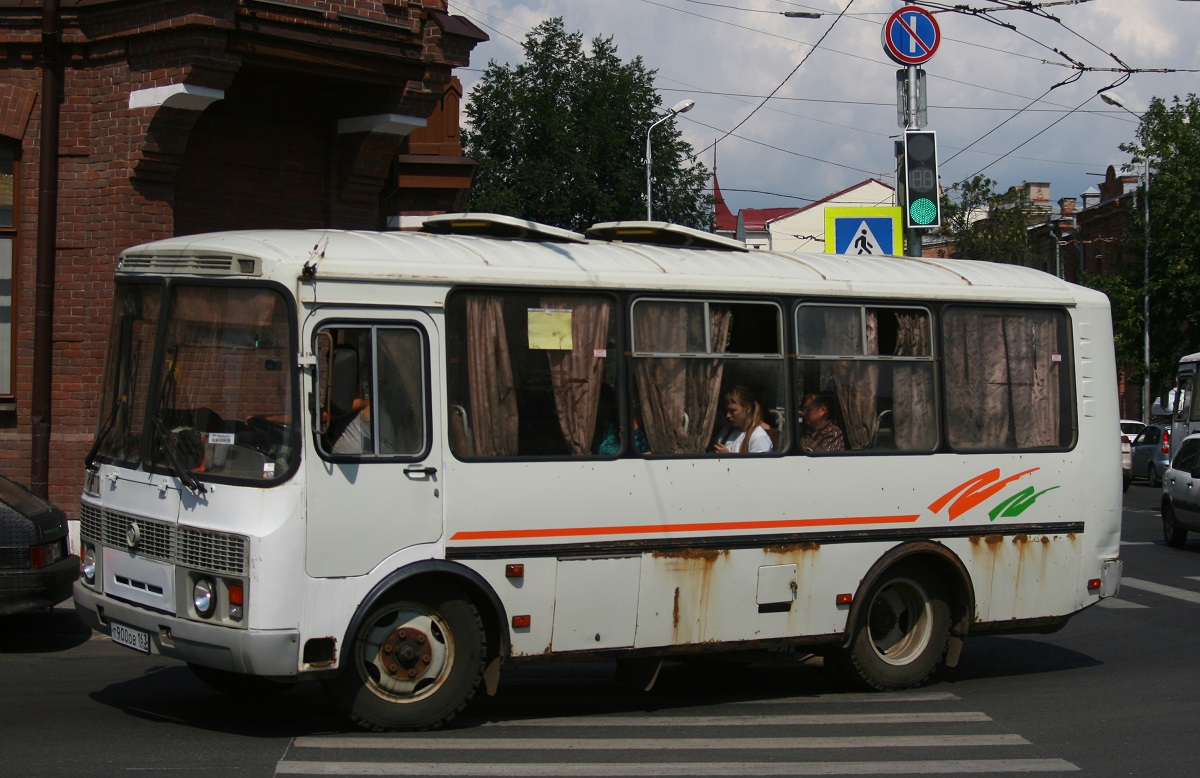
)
(372, 450)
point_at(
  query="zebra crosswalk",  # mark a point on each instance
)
(904, 733)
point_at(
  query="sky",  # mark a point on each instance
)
(996, 93)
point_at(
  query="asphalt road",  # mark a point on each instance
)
(1114, 693)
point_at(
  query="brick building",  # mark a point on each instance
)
(184, 116)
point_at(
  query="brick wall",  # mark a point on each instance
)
(266, 155)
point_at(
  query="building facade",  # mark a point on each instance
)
(124, 121)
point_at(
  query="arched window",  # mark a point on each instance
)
(9, 202)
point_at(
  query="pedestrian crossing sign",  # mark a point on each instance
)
(862, 231)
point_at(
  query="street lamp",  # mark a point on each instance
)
(683, 106)
(1112, 99)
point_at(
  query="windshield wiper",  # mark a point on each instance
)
(170, 442)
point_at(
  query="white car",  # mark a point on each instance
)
(1126, 463)
(1181, 493)
(1130, 428)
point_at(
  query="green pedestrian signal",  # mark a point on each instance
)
(921, 179)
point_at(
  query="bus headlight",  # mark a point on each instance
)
(204, 596)
(87, 565)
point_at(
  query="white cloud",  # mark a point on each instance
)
(835, 117)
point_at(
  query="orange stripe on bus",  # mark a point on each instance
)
(646, 529)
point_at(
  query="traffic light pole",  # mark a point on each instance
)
(912, 246)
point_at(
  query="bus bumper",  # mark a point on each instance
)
(254, 652)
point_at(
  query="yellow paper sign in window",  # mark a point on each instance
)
(550, 329)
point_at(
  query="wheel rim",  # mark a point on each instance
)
(405, 653)
(900, 621)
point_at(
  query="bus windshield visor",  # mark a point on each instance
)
(216, 400)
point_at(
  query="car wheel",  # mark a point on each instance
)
(901, 633)
(1174, 534)
(1152, 475)
(414, 662)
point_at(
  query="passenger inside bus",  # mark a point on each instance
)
(821, 431)
(744, 431)
(351, 434)
(349, 410)
(609, 431)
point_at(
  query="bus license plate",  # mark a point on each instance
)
(130, 637)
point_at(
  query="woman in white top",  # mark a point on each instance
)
(744, 432)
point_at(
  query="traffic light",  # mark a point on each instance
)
(923, 206)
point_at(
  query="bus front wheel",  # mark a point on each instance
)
(413, 663)
(901, 633)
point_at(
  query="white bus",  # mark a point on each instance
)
(1181, 403)
(394, 461)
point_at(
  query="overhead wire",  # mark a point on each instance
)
(781, 83)
(984, 13)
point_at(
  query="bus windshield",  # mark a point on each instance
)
(216, 400)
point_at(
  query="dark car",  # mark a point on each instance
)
(1152, 452)
(35, 569)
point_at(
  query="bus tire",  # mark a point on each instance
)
(237, 685)
(414, 663)
(1173, 534)
(901, 633)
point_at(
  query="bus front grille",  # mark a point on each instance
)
(219, 552)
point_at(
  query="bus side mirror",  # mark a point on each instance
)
(343, 381)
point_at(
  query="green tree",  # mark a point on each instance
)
(560, 138)
(1169, 136)
(986, 224)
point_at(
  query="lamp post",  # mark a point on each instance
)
(1116, 101)
(683, 106)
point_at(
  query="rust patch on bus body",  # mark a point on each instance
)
(691, 574)
(704, 554)
(792, 548)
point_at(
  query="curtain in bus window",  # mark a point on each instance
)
(679, 396)
(577, 374)
(1032, 341)
(857, 382)
(912, 385)
(489, 369)
(976, 381)
(231, 307)
(401, 392)
(1003, 383)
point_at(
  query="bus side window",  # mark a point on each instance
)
(1183, 397)
(1007, 384)
(525, 372)
(372, 383)
(688, 353)
(875, 367)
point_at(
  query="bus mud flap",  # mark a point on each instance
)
(638, 673)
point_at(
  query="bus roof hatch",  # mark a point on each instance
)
(493, 225)
(663, 234)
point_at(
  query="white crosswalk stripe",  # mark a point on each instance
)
(1169, 591)
(922, 767)
(514, 747)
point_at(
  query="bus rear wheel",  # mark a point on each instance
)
(413, 663)
(901, 633)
